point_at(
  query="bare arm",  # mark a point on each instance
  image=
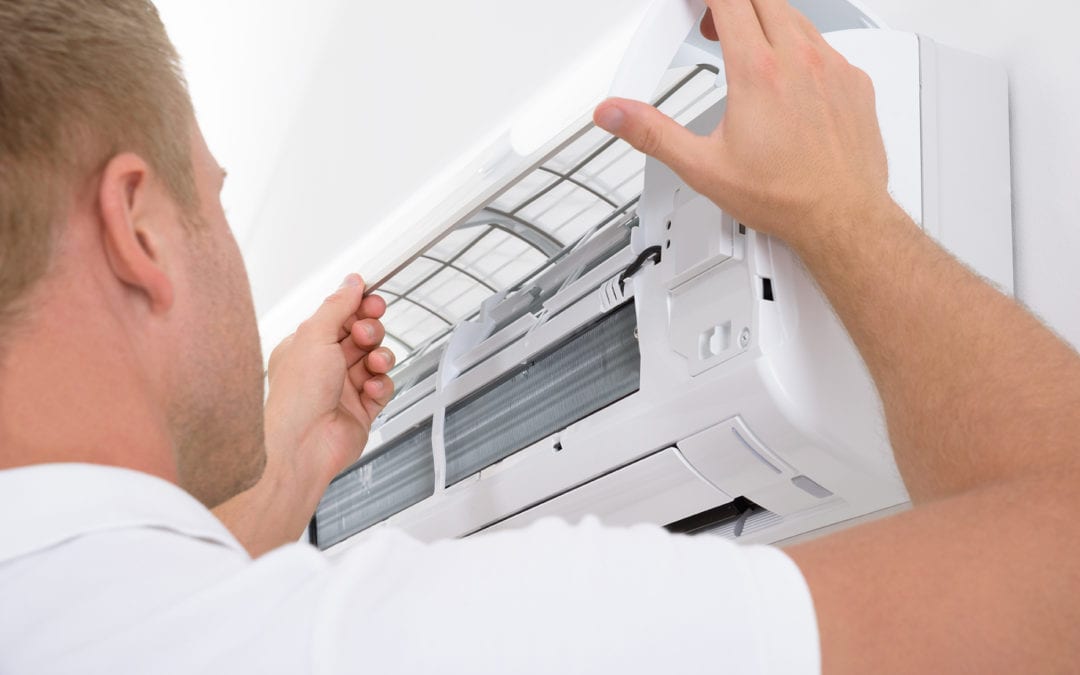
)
(976, 390)
(982, 401)
(983, 405)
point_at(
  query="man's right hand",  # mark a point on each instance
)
(799, 149)
(981, 400)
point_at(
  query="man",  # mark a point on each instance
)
(130, 405)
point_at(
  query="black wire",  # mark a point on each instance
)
(653, 253)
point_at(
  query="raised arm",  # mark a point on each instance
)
(982, 401)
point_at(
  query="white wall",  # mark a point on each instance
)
(1036, 40)
(248, 63)
(328, 114)
(400, 91)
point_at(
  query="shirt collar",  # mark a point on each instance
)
(48, 504)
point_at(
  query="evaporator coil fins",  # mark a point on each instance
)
(400, 475)
(590, 371)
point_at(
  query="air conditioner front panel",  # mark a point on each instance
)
(746, 386)
(658, 490)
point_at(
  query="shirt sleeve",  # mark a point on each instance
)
(555, 598)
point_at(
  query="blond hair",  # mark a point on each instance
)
(80, 82)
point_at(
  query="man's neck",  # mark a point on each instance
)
(71, 392)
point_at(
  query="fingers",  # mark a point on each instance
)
(776, 20)
(651, 132)
(278, 354)
(377, 363)
(325, 324)
(372, 306)
(379, 389)
(808, 28)
(364, 336)
(371, 382)
(736, 26)
(375, 366)
(367, 333)
(783, 27)
(381, 361)
(375, 394)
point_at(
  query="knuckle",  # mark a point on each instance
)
(835, 59)
(280, 351)
(652, 140)
(342, 294)
(334, 297)
(810, 55)
(863, 80)
(305, 327)
(765, 66)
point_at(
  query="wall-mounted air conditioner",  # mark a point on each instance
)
(580, 333)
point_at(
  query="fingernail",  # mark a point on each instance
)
(369, 332)
(610, 118)
(351, 280)
(376, 385)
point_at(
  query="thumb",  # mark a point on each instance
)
(325, 324)
(650, 131)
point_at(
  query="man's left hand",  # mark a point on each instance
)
(327, 383)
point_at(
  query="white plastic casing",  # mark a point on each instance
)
(741, 395)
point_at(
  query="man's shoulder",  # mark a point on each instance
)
(59, 502)
(148, 599)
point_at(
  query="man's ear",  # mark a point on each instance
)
(134, 209)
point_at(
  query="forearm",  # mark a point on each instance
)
(975, 389)
(983, 407)
(274, 512)
(982, 402)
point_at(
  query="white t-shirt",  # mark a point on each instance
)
(105, 570)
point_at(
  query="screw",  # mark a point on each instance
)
(744, 338)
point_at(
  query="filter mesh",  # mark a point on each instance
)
(597, 367)
(593, 179)
(399, 476)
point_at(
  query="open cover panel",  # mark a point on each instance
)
(593, 181)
